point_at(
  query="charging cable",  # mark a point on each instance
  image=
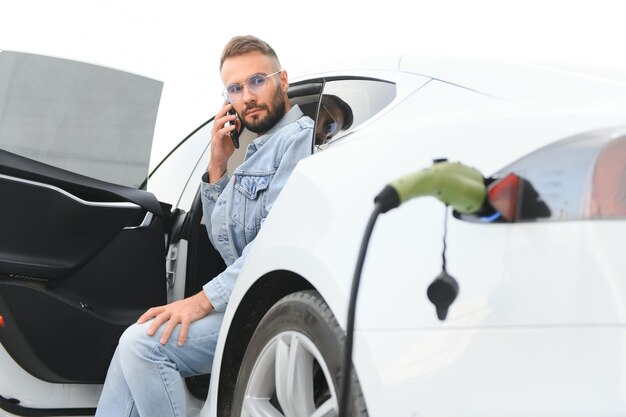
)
(454, 184)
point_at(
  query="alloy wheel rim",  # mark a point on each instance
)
(290, 379)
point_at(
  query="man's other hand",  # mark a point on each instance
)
(183, 312)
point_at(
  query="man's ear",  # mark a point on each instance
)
(284, 80)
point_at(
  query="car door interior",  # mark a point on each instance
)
(80, 260)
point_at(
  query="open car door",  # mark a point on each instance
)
(82, 248)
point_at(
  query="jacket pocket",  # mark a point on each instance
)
(249, 202)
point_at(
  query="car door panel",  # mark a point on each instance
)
(80, 260)
(33, 206)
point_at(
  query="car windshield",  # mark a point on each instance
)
(84, 118)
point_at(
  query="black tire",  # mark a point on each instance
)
(298, 329)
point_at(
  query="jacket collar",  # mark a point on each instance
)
(291, 116)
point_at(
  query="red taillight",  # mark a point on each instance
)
(2, 321)
(608, 186)
(503, 196)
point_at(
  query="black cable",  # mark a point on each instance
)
(445, 233)
(347, 358)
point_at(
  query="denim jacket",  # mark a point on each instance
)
(235, 207)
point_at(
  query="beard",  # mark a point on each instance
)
(275, 112)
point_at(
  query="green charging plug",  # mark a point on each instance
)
(453, 183)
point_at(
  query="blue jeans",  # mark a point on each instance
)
(145, 378)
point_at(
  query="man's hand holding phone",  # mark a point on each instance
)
(222, 143)
(234, 134)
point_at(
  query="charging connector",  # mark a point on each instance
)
(454, 184)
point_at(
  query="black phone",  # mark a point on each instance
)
(234, 135)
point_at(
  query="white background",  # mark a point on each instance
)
(179, 42)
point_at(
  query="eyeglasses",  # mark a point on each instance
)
(330, 128)
(256, 84)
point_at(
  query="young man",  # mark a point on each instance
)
(178, 340)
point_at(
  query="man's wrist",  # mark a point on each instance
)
(214, 174)
(204, 302)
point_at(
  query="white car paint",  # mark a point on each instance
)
(538, 327)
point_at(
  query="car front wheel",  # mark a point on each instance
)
(292, 365)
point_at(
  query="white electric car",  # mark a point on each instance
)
(538, 327)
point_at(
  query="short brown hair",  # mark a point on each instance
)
(239, 45)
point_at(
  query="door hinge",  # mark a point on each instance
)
(170, 267)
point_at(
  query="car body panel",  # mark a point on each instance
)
(330, 220)
(35, 393)
(329, 208)
(533, 81)
(544, 371)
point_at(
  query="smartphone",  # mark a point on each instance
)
(234, 135)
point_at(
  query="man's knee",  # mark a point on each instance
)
(135, 343)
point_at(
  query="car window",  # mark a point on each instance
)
(84, 118)
(172, 180)
(346, 104)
